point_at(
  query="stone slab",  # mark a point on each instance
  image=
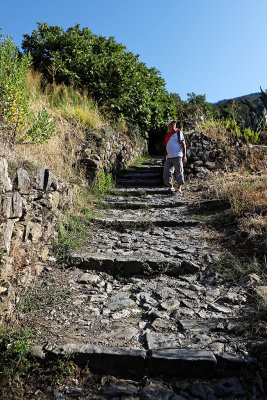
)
(115, 361)
(181, 363)
(197, 325)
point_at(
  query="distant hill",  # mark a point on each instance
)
(251, 96)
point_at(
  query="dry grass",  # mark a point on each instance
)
(59, 154)
(73, 112)
(246, 193)
(216, 130)
(247, 196)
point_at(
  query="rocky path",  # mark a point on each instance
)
(145, 300)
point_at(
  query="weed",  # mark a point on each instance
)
(71, 235)
(223, 130)
(37, 297)
(102, 184)
(42, 129)
(63, 369)
(141, 160)
(245, 192)
(102, 205)
(235, 269)
(14, 350)
(201, 218)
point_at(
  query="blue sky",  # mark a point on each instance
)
(212, 47)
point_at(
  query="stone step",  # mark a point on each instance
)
(145, 167)
(122, 224)
(131, 362)
(129, 205)
(140, 174)
(141, 183)
(129, 266)
(138, 191)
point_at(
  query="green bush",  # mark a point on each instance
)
(42, 129)
(247, 135)
(14, 103)
(15, 107)
(250, 136)
(102, 184)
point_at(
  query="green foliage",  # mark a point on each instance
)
(194, 106)
(14, 351)
(244, 113)
(102, 184)
(235, 109)
(15, 113)
(71, 235)
(14, 104)
(141, 160)
(114, 77)
(235, 269)
(223, 128)
(73, 103)
(250, 136)
(247, 135)
(42, 129)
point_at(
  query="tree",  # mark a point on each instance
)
(113, 76)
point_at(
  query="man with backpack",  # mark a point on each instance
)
(175, 157)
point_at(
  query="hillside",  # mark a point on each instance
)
(251, 96)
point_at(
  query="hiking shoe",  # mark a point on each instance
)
(179, 192)
(171, 190)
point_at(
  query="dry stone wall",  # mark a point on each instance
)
(111, 153)
(30, 207)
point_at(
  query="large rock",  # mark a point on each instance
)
(23, 181)
(8, 230)
(43, 179)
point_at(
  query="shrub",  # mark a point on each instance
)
(102, 184)
(250, 136)
(15, 106)
(42, 129)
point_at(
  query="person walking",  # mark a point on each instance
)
(175, 157)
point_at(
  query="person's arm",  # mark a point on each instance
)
(165, 156)
(183, 145)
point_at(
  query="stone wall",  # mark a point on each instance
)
(206, 155)
(111, 153)
(30, 207)
(203, 155)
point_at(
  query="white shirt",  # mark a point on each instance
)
(174, 148)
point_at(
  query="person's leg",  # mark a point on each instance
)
(179, 171)
(167, 172)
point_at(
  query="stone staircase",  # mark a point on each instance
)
(147, 300)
